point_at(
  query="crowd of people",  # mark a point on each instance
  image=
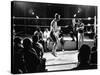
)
(28, 56)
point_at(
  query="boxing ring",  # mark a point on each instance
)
(65, 60)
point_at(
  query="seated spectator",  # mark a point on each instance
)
(30, 57)
(94, 49)
(37, 46)
(38, 33)
(32, 61)
(18, 56)
(94, 56)
(84, 58)
(39, 50)
(94, 53)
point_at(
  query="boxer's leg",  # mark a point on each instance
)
(54, 47)
(62, 44)
(79, 36)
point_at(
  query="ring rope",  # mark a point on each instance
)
(47, 26)
(50, 18)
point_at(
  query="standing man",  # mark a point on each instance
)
(54, 33)
(38, 33)
(46, 36)
(80, 29)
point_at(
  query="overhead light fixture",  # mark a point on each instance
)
(89, 24)
(37, 17)
(74, 15)
(33, 13)
(79, 10)
(13, 17)
(89, 18)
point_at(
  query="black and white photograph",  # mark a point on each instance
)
(53, 37)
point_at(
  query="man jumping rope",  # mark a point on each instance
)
(54, 33)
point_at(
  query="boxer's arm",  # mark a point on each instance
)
(51, 25)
